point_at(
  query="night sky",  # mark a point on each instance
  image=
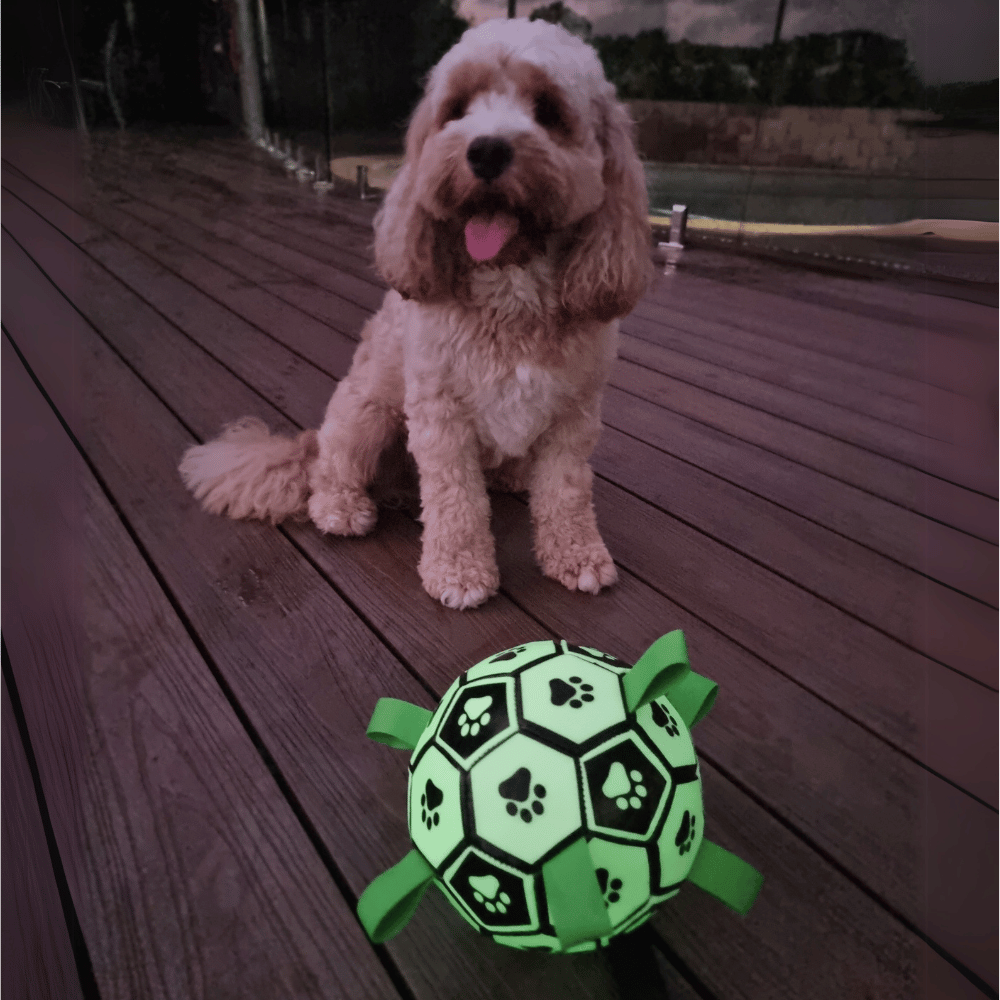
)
(949, 40)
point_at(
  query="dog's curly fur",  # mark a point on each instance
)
(493, 371)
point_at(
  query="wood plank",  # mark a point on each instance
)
(965, 457)
(871, 811)
(901, 304)
(37, 954)
(898, 483)
(168, 238)
(917, 450)
(188, 863)
(254, 601)
(806, 963)
(227, 159)
(960, 362)
(911, 701)
(228, 274)
(505, 574)
(875, 940)
(205, 208)
(916, 491)
(643, 340)
(367, 586)
(896, 398)
(175, 301)
(894, 718)
(953, 629)
(883, 699)
(933, 549)
(940, 552)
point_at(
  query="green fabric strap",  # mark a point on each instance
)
(386, 906)
(726, 877)
(398, 724)
(693, 696)
(662, 666)
(576, 905)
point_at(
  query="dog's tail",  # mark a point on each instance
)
(248, 472)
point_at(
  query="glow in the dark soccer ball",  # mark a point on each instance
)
(555, 797)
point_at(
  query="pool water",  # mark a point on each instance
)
(815, 197)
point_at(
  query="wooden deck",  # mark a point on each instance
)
(798, 470)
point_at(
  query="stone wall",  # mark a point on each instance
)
(855, 140)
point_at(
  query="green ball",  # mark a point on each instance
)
(528, 750)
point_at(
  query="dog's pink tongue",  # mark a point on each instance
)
(486, 235)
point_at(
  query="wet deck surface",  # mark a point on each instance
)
(798, 470)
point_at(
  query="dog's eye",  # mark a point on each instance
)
(548, 113)
(453, 110)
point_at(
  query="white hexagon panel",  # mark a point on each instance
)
(623, 877)
(435, 806)
(625, 788)
(525, 798)
(572, 697)
(512, 659)
(480, 717)
(681, 836)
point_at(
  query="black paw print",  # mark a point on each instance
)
(509, 654)
(664, 719)
(685, 835)
(575, 692)
(517, 788)
(429, 802)
(609, 890)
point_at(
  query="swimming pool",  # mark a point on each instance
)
(816, 197)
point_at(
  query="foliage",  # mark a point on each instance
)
(965, 105)
(437, 27)
(850, 68)
(559, 13)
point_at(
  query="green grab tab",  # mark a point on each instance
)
(398, 724)
(693, 696)
(726, 877)
(664, 665)
(386, 906)
(575, 902)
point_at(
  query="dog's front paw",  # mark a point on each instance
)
(343, 512)
(460, 583)
(587, 568)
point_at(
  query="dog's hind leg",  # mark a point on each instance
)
(363, 417)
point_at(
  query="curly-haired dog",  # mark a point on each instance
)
(513, 237)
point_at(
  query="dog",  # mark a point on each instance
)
(513, 238)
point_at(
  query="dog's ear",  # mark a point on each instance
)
(405, 235)
(609, 265)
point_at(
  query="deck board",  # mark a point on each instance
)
(931, 618)
(37, 953)
(195, 877)
(936, 550)
(311, 706)
(215, 287)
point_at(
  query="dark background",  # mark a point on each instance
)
(358, 65)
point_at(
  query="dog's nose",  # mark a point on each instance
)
(489, 156)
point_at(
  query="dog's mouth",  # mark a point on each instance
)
(490, 222)
(486, 234)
